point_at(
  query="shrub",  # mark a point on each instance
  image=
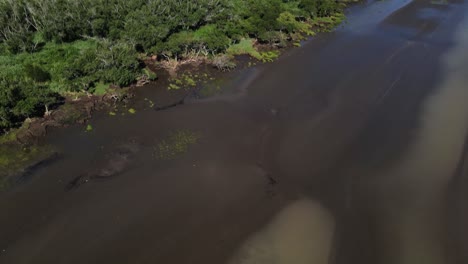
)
(269, 56)
(245, 46)
(36, 73)
(211, 38)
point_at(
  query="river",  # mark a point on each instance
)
(350, 149)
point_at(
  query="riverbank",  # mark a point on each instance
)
(183, 76)
(50, 58)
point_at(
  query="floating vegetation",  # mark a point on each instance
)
(184, 81)
(89, 128)
(269, 56)
(150, 102)
(132, 111)
(173, 86)
(111, 113)
(177, 143)
(211, 89)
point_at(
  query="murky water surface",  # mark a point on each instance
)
(347, 150)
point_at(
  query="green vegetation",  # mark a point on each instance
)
(7, 138)
(175, 144)
(326, 24)
(14, 158)
(185, 81)
(150, 102)
(244, 47)
(89, 128)
(51, 48)
(269, 56)
(101, 88)
(151, 75)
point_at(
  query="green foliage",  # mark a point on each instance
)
(100, 88)
(260, 16)
(326, 24)
(290, 24)
(21, 98)
(245, 46)
(36, 73)
(320, 8)
(151, 75)
(7, 138)
(211, 38)
(107, 62)
(51, 47)
(184, 81)
(207, 39)
(173, 86)
(269, 56)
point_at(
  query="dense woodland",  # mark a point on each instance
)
(52, 47)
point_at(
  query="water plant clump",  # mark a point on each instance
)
(185, 81)
(177, 143)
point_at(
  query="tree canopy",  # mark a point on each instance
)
(51, 46)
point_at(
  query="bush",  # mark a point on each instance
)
(290, 24)
(21, 98)
(320, 8)
(212, 39)
(245, 46)
(108, 62)
(36, 73)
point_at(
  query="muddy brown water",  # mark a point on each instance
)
(347, 150)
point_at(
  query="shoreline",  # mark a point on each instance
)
(187, 75)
